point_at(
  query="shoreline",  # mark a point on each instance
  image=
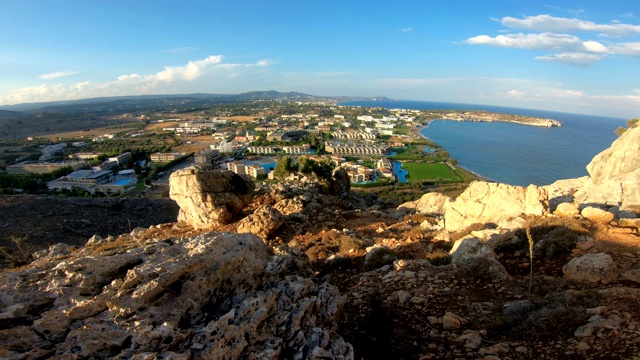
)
(416, 131)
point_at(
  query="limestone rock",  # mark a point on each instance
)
(623, 157)
(289, 206)
(614, 174)
(484, 203)
(209, 198)
(215, 295)
(429, 203)
(451, 321)
(593, 268)
(632, 275)
(471, 252)
(566, 209)
(596, 214)
(628, 222)
(264, 221)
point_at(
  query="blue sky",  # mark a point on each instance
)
(572, 56)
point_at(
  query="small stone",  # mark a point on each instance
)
(583, 346)
(585, 245)
(452, 321)
(584, 331)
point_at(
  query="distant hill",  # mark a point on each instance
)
(140, 102)
(8, 114)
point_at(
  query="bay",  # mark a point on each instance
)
(512, 153)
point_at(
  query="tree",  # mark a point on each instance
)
(323, 169)
(284, 166)
(305, 165)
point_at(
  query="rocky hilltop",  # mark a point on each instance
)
(310, 270)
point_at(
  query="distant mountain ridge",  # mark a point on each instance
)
(136, 102)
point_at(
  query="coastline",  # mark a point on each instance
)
(416, 131)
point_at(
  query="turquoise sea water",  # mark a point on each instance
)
(512, 153)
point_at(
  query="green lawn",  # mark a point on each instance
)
(429, 171)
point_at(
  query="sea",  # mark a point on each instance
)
(512, 153)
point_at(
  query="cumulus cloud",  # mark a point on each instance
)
(167, 80)
(548, 23)
(631, 48)
(558, 36)
(56, 75)
(406, 30)
(543, 41)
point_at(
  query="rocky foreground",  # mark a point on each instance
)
(312, 271)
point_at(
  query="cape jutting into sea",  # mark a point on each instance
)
(512, 153)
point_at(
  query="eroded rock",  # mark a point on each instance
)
(209, 198)
(264, 221)
(485, 203)
(215, 295)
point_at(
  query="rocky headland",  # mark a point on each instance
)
(485, 116)
(310, 270)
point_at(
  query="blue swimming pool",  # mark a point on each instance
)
(124, 182)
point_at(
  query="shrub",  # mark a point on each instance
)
(439, 257)
(20, 254)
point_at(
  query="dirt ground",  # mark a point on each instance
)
(47, 219)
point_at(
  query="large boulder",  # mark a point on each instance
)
(591, 268)
(428, 204)
(478, 258)
(484, 203)
(264, 221)
(214, 296)
(614, 174)
(209, 198)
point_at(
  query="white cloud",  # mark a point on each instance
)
(406, 30)
(572, 58)
(514, 94)
(543, 41)
(569, 93)
(188, 72)
(169, 80)
(548, 23)
(631, 48)
(56, 75)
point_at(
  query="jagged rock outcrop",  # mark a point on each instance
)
(484, 203)
(290, 206)
(428, 204)
(264, 221)
(614, 176)
(209, 198)
(213, 296)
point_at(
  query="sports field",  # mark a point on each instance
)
(429, 171)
